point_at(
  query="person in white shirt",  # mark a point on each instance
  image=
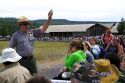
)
(95, 49)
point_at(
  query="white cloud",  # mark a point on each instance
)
(104, 10)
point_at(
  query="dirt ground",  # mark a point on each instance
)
(49, 70)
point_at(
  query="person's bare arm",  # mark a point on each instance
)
(102, 38)
(120, 49)
(47, 23)
(107, 47)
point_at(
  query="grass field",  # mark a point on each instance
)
(46, 52)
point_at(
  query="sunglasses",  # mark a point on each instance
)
(24, 24)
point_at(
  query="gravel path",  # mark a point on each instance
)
(49, 71)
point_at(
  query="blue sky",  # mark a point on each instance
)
(85, 10)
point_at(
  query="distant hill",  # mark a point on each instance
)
(67, 22)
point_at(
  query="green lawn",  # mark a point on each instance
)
(50, 51)
(3, 44)
(45, 51)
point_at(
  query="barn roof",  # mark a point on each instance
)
(68, 28)
(78, 27)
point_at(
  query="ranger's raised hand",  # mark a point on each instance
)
(50, 14)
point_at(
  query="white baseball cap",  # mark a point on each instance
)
(9, 54)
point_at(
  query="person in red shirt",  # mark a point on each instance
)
(107, 37)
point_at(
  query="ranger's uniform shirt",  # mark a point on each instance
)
(24, 42)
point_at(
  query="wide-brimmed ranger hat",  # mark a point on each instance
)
(9, 55)
(23, 20)
(107, 72)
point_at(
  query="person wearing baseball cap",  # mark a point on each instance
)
(13, 72)
(23, 41)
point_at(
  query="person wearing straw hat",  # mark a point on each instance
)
(23, 41)
(108, 72)
(13, 72)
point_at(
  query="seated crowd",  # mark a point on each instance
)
(86, 62)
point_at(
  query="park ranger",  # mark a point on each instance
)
(23, 41)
